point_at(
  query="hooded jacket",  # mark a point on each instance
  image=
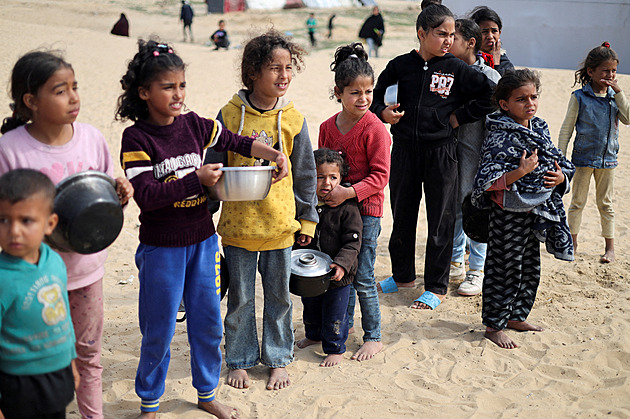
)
(270, 224)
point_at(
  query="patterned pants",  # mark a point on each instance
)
(512, 268)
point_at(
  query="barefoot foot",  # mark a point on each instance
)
(575, 242)
(608, 257)
(500, 338)
(278, 379)
(523, 326)
(147, 415)
(237, 378)
(219, 410)
(331, 360)
(368, 350)
(351, 330)
(303, 343)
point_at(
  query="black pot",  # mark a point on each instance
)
(310, 272)
(90, 214)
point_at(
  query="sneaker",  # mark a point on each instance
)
(457, 270)
(472, 283)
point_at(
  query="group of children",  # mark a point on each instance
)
(330, 200)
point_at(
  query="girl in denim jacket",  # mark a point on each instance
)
(595, 111)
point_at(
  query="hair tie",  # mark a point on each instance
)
(353, 56)
(162, 48)
(606, 44)
(156, 53)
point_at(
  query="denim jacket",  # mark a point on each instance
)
(597, 130)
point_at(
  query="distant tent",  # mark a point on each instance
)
(224, 6)
(289, 4)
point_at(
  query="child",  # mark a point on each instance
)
(436, 93)
(469, 140)
(44, 91)
(491, 26)
(261, 233)
(338, 234)
(595, 111)
(36, 337)
(365, 142)
(311, 26)
(522, 176)
(220, 37)
(178, 255)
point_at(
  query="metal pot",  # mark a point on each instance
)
(310, 272)
(90, 214)
(248, 183)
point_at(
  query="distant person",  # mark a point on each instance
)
(490, 24)
(595, 111)
(121, 28)
(372, 31)
(186, 16)
(220, 37)
(311, 25)
(37, 372)
(331, 25)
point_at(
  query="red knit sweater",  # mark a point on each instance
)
(367, 150)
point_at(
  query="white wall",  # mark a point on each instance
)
(557, 33)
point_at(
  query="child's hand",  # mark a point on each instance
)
(124, 189)
(339, 195)
(209, 174)
(339, 272)
(390, 116)
(554, 177)
(496, 52)
(304, 240)
(611, 83)
(528, 164)
(453, 120)
(75, 374)
(283, 168)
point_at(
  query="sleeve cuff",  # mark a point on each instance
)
(308, 228)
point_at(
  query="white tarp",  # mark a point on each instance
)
(558, 33)
(315, 4)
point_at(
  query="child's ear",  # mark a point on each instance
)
(503, 104)
(471, 43)
(589, 71)
(53, 219)
(30, 101)
(337, 92)
(142, 93)
(421, 34)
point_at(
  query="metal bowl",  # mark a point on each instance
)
(248, 183)
(310, 272)
(90, 214)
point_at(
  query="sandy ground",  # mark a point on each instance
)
(434, 363)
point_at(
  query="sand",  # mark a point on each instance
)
(433, 363)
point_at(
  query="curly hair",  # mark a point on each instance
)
(29, 74)
(511, 81)
(259, 51)
(152, 59)
(349, 63)
(326, 155)
(594, 59)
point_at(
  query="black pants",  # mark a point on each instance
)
(435, 169)
(512, 268)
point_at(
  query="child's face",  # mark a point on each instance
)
(23, 226)
(356, 97)
(605, 71)
(490, 35)
(437, 41)
(460, 47)
(522, 104)
(328, 177)
(274, 78)
(57, 101)
(165, 97)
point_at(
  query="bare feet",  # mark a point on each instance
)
(500, 338)
(351, 330)
(303, 343)
(147, 415)
(237, 378)
(411, 284)
(219, 410)
(523, 326)
(575, 242)
(331, 360)
(609, 255)
(368, 350)
(278, 379)
(417, 305)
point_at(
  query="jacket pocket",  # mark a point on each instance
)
(429, 126)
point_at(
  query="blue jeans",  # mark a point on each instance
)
(241, 338)
(365, 283)
(477, 258)
(372, 47)
(326, 319)
(166, 275)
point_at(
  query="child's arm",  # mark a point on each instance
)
(566, 130)
(351, 230)
(304, 182)
(623, 104)
(385, 113)
(476, 89)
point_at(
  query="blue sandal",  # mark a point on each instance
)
(429, 299)
(388, 285)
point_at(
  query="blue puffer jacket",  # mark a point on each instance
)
(597, 130)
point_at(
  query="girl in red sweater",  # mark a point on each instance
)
(365, 142)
